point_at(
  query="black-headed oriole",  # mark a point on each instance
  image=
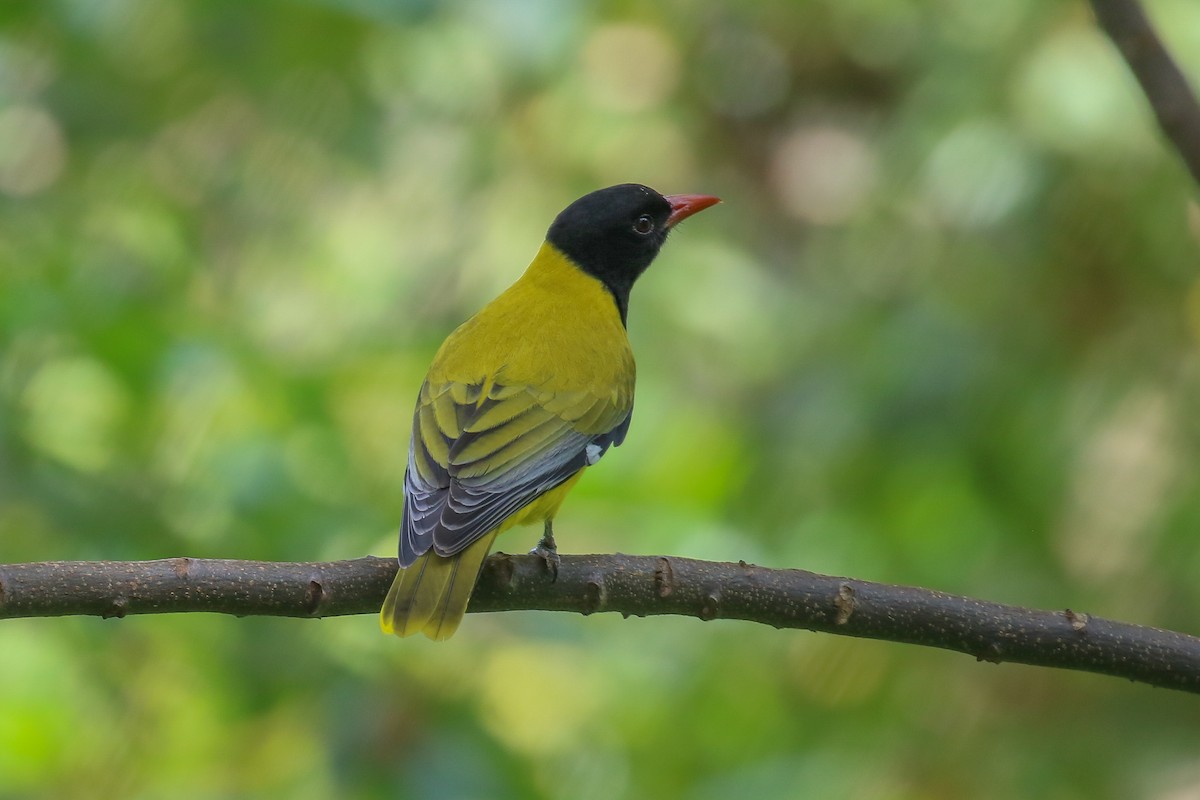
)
(521, 397)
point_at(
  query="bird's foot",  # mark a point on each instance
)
(547, 550)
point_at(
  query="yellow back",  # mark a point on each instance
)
(556, 329)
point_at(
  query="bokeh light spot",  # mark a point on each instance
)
(1074, 93)
(33, 151)
(1119, 483)
(978, 174)
(630, 67)
(74, 405)
(824, 174)
(521, 719)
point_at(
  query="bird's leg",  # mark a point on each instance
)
(547, 546)
(547, 549)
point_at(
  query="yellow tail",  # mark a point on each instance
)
(431, 595)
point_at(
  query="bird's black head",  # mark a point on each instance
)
(613, 234)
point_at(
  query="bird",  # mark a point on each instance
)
(521, 398)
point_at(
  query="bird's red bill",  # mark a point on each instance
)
(684, 205)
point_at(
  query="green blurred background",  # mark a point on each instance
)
(944, 330)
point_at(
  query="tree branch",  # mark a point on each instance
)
(630, 585)
(1165, 86)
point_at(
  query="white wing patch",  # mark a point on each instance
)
(592, 453)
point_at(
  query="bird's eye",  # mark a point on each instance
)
(644, 224)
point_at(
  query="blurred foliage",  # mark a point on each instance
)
(945, 330)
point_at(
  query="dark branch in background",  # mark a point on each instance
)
(630, 585)
(1166, 88)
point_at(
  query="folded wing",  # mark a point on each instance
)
(480, 453)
